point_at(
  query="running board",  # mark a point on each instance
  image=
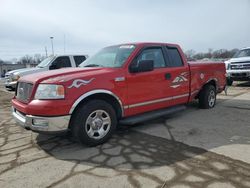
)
(151, 115)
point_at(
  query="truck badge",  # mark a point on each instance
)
(78, 82)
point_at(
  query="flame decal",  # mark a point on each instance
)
(179, 79)
(78, 83)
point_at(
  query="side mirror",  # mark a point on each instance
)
(142, 66)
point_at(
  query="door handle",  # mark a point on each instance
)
(167, 76)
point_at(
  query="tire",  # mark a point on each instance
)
(207, 97)
(229, 82)
(88, 125)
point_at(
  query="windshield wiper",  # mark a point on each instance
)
(92, 65)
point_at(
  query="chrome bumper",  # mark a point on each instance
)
(41, 124)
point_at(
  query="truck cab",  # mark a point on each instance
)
(50, 63)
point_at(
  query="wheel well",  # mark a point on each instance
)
(211, 82)
(101, 96)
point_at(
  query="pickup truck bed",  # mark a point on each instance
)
(204, 72)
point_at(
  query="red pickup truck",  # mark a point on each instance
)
(123, 84)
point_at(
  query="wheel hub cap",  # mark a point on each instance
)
(98, 124)
(211, 98)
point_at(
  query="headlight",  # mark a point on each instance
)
(14, 77)
(227, 64)
(50, 91)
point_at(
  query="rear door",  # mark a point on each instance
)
(79, 59)
(179, 75)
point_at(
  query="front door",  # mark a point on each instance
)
(149, 90)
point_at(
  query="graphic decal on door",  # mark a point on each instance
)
(78, 82)
(179, 79)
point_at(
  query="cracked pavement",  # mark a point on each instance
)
(194, 148)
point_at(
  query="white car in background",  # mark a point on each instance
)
(50, 63)
(238, 68)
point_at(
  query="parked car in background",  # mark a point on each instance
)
(238, 68)
(126, 83)
(50, 63)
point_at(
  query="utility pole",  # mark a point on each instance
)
(64, 43)
(52, 47)
(46, 51)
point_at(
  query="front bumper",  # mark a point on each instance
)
(42, 124)
(11, 85)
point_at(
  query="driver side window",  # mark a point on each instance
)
(154, 54)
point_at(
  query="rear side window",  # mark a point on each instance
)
(79, 60)
(174, 57)
(62, 62)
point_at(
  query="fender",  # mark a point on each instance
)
(97, 91)
(215, 80)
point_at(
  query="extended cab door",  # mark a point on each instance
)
(179, 73)
(149, 90)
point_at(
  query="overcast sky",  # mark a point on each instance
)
(88, 25)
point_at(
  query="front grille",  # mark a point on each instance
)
(239, 75)
(240, 65)
(23, 92)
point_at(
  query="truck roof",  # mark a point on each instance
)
(148, 43)
(68, 55)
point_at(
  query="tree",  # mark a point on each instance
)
(211, 54)
(190, 54)
(26, 59)
(38, 58)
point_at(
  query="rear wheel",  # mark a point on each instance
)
(94, 122)
(207, 97)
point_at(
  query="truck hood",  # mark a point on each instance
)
(25, 71)
(241, 59)
(61, 76)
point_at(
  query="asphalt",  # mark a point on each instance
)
(193, 148)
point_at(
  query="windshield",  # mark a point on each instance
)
(114, 56)
(242, 53)
(45, 62)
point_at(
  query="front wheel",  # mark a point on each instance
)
(94, 122)
(207, 97)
